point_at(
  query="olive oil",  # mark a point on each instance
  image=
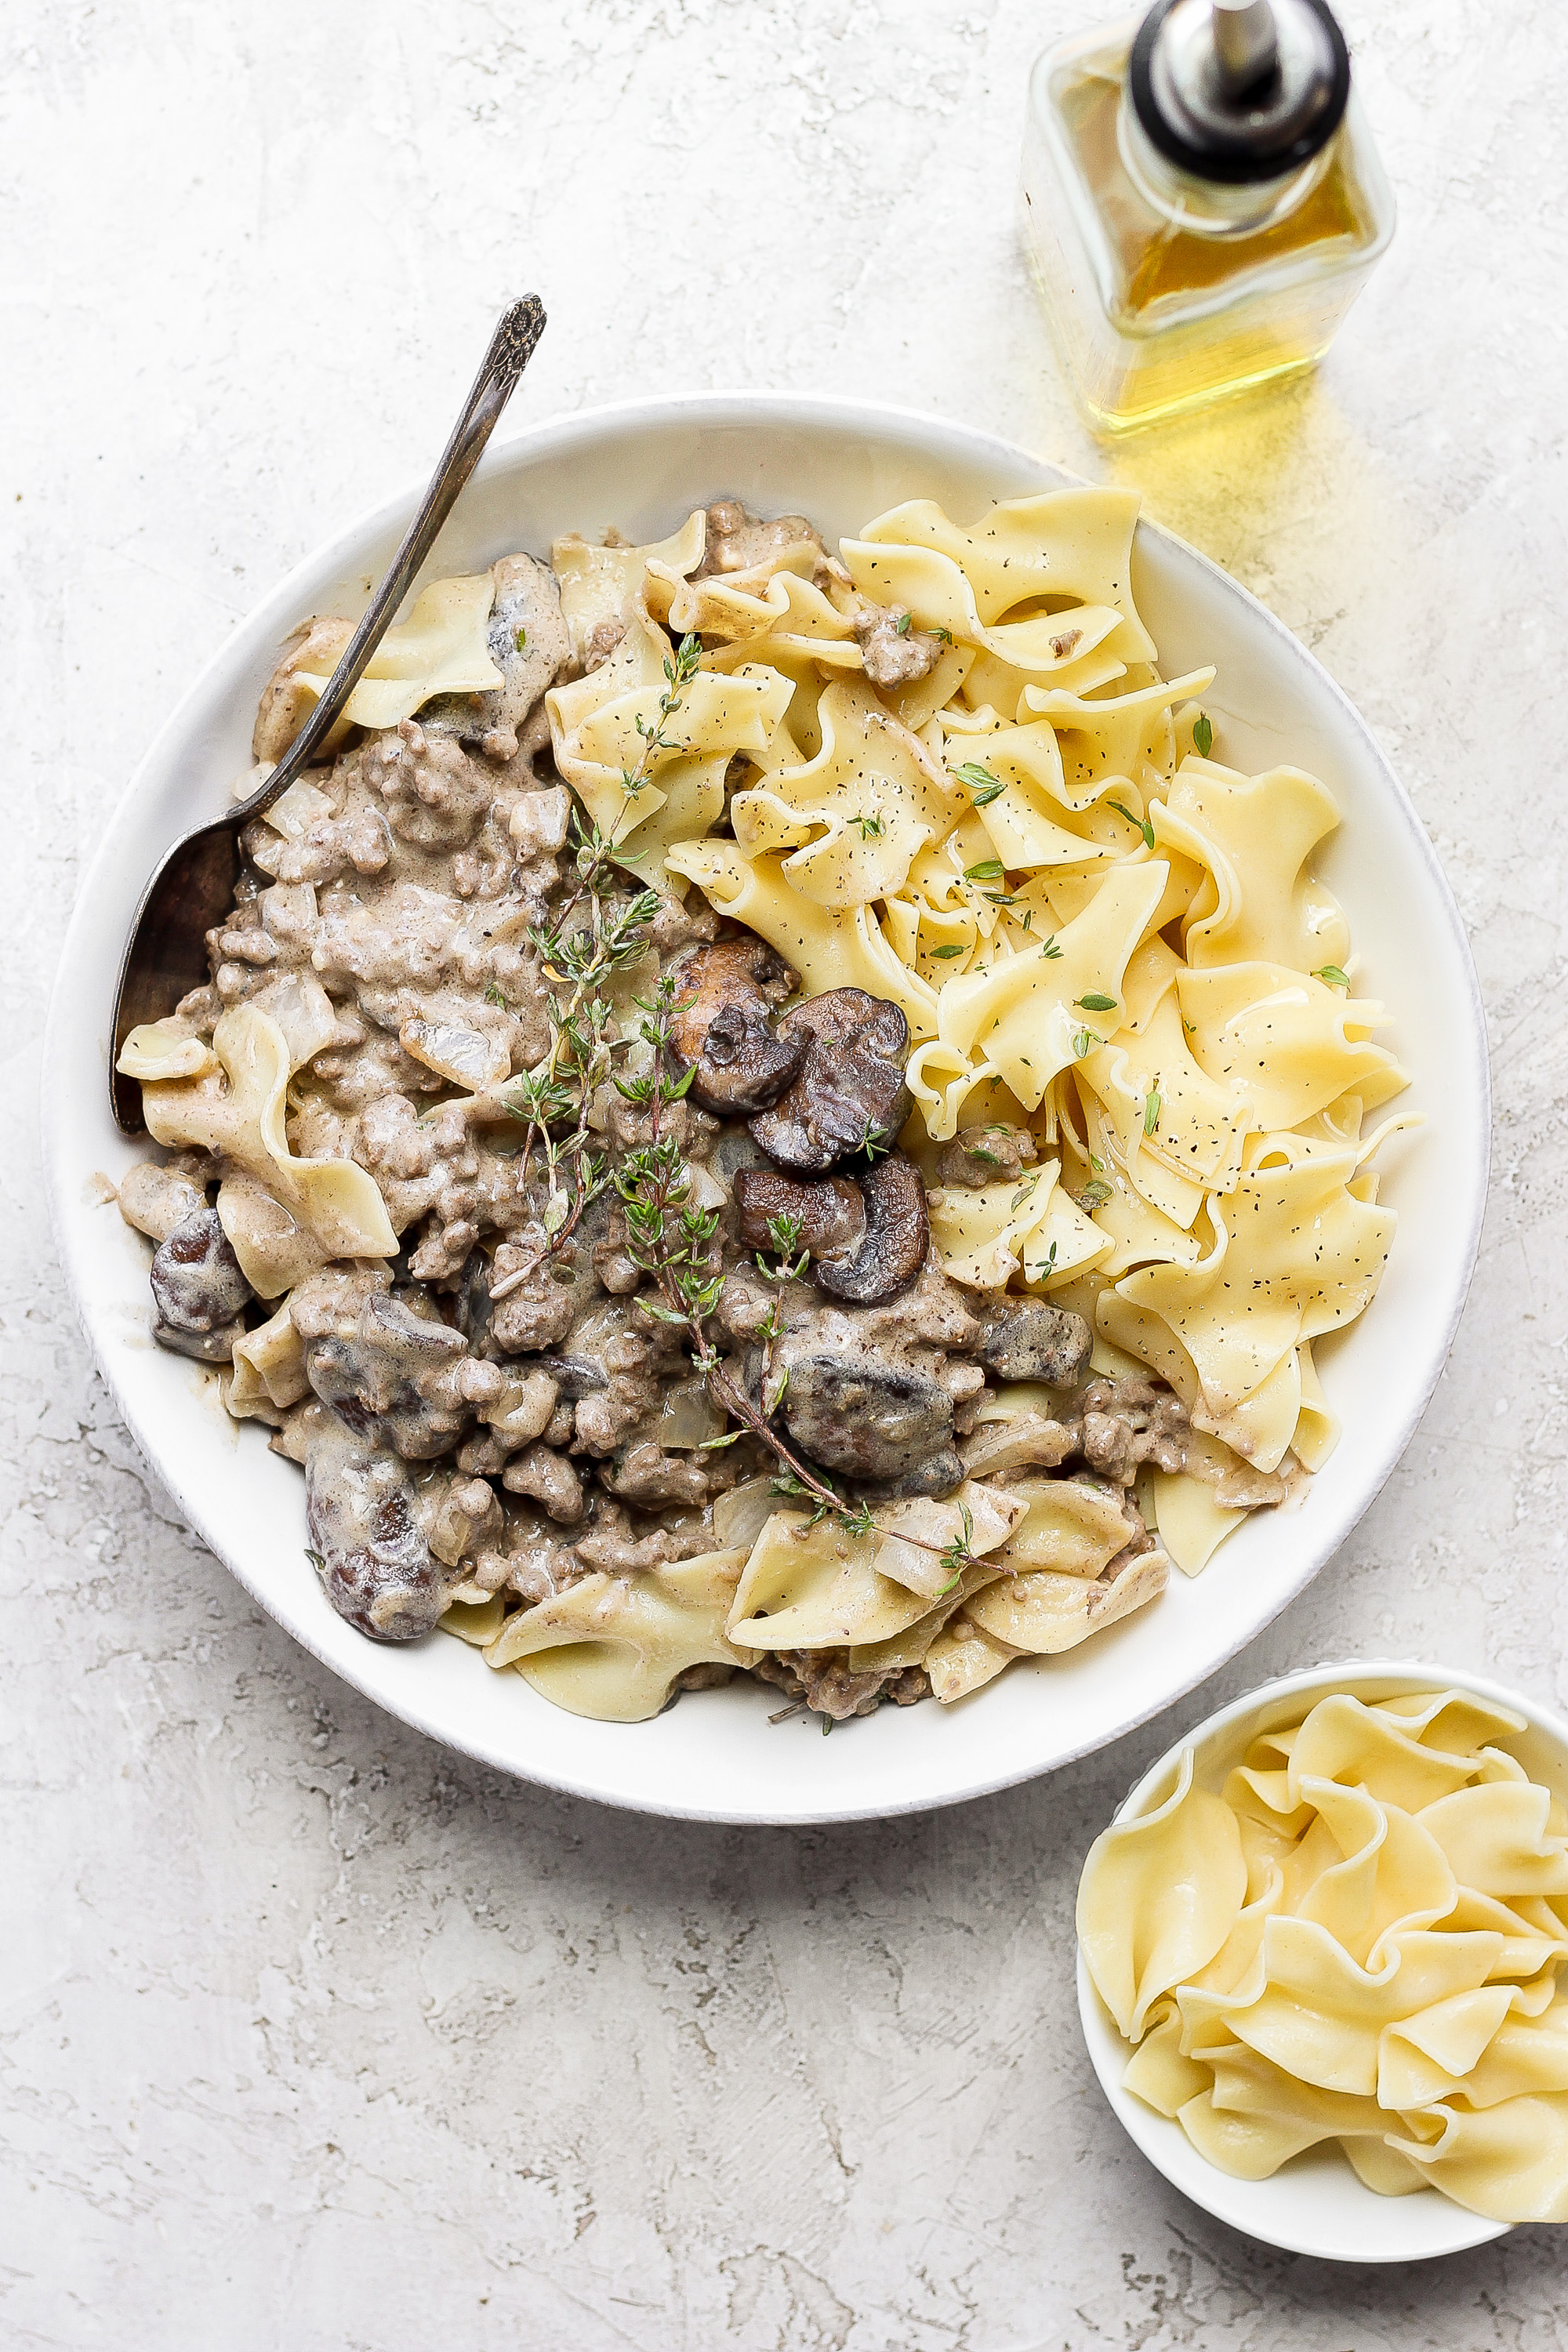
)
(1167, 286)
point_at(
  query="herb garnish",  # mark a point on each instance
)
(1151, 1110)
(1096, 1004)
(1143, 824)
(1332, 974)
(679, 675)
(980, 781)
(1202, 735)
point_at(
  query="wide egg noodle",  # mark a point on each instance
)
(612, 1646)
(599, 586)
(1024, 1017)
(1074, 545)
(284, 1217)
(602, 725)
(268, 1370)
(1295, 1254)
(828, 948)
(1508, 2162)
(1162, 1106)
(1158, 1897)
(963, 1658)
(1045, 1612)
(441, 649)
(1124, 737)
(853, 817)
(1288, 1043)
(1256, 834)
(812, 1585)
(986, 1235)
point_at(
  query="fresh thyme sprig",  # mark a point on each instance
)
(594, 939)
(678, 675)
(1143, 824)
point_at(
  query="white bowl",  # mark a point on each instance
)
(715, 1756)
(1315, 2204)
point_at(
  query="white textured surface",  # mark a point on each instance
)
(312, 2036)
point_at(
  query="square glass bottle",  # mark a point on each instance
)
(1201, 201)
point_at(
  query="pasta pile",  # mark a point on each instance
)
(1359, 1941)
(1093, 929)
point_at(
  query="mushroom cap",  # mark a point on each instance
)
(725, 994)
(1029, 1341)
(871, 1419)
(895, 1241)
(850, 1092)
(831, 1211)
(993, 1154)
(196, 1278)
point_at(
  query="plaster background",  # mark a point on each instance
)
(310, 2033)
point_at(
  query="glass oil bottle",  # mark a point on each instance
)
(1201, 201)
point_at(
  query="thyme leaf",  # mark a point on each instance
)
(1143, 824)
(984, 786)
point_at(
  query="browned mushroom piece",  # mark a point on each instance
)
(993, 1154)
(198, 1290)
(1026, 1339)
(850, 1092)
(829, 1214)
(725, 994)
(895, 1241)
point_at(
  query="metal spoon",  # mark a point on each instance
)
(192, 890)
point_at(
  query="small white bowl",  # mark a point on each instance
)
(714, 1757)
(1315, 2204)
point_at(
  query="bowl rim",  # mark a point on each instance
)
(1151, 2132)
(916, 430)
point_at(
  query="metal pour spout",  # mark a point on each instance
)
(1246, 44)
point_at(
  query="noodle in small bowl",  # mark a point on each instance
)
(1284, 2003)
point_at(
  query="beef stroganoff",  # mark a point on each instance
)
(774, 1111)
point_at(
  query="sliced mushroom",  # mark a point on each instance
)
(199, 1289)
(395, 1375)
(372, 1559)
(896, 1239)
(994, 1154)
(871, 1419)
(725, 994)
(850, 1092)
(830, 1214)
(1028, 1341)
(213, 1346)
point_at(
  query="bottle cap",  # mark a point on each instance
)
(1239, 90)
